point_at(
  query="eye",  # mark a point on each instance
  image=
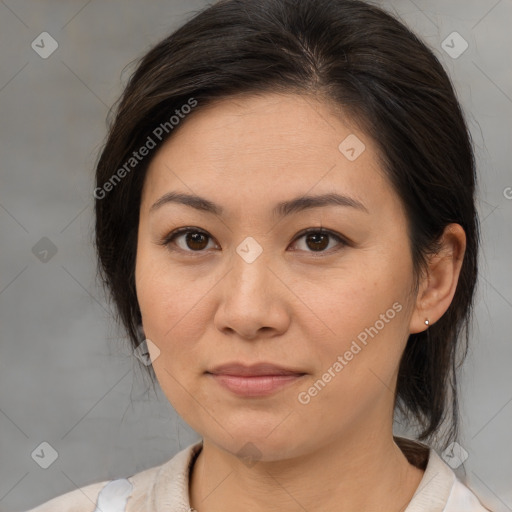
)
(190, 239)
(317, 240)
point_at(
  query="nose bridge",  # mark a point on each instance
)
(249, 293)
(251, 297)
(250, 272)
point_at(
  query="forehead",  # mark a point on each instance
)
(263, 124)
(254, 147)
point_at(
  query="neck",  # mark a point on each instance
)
(362, 471)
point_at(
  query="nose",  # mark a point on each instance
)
(254, 302)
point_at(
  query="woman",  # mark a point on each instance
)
(285, 208)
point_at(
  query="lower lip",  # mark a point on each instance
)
(263, 385)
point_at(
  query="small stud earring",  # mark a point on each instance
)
(427, 322)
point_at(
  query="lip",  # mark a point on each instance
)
(261, 379)
(254, 370)
(262, 385)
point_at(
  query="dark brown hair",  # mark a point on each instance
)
(356, 56)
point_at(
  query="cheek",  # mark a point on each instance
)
(364, 328)
(163, 293)
(355, 296)
(356, 366)
(172, 316)
(173, 307)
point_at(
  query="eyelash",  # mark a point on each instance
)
(168, 239)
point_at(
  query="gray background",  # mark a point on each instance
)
(67, 376)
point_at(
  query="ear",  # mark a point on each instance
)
(439, 281)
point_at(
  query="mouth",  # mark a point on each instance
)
(262, 379)
(262, 385)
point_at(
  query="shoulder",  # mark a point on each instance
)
(104, 496)
(440, 490)
(83, 499)
(462, 498)
(459, 496)
(141, 491)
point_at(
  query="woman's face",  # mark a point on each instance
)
(247, 285)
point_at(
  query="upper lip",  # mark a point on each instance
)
(253, 370)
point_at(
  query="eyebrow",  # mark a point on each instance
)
(282, 209)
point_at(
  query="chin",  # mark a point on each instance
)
(253, 443)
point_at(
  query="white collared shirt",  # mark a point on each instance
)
(165, 488)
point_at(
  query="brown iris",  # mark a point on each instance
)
(316, 239)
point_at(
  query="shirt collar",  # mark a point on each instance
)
(171, 490)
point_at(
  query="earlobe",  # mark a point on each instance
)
(439, 283)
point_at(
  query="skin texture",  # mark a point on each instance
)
(293, 305)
